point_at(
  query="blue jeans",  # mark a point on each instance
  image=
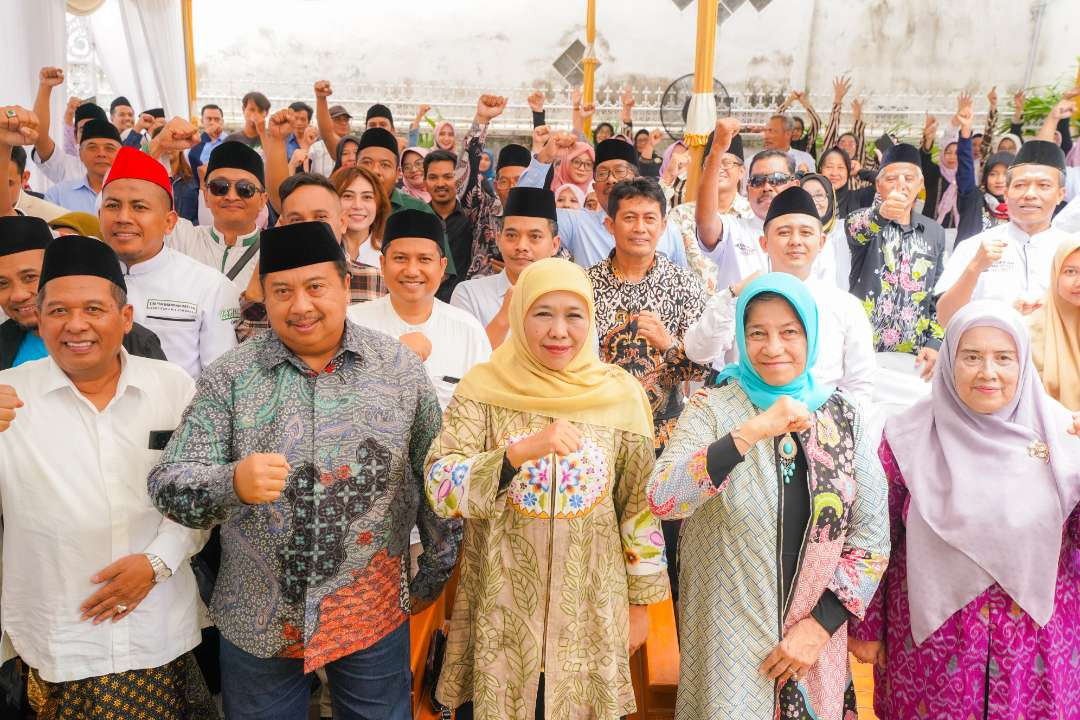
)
(370, 684)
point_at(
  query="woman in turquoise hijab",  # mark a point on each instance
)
(786, 531)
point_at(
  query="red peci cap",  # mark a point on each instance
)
(133, 164)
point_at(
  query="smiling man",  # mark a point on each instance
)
(98, 145)
(22, 251)
(448, 340)
(317, 488)
(86, 555)
(439, 179)
(1011, 262)
(192, 308)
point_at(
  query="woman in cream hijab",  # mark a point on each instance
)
(1055, 328)
(545, 452)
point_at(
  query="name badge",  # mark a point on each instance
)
(175, 310)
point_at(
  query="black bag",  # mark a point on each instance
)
(432, 670)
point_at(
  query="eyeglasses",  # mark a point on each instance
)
(728, 163)
(581, 164)
(620, 173)
(505, 183)
(774, 179)
(413, 166)
(219, 187)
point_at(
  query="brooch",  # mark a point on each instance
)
(1038, 450)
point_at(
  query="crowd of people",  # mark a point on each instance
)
(263, 394)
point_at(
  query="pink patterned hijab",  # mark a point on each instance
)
(990, 494)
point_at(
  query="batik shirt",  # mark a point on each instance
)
(321, 572)
(675, 295)
(482, 208)
(894, 269)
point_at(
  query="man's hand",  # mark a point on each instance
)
(260, 477)
(1018, 106)
(992, 98)
(50, 77)
(541, 134)
(726, 129)
(627, 105)
(868, 651)
(9, 403)
(639, 627)
(18, 126)
(560, 438)
(797, 652)
(841, 84)
(421, 113)
(178, 134)
(656, 135)
(323, 89)
(418, 343)
(989, 252)
(586, 111)
(558, 144)
(650, 327)
(69, 112)
(280, 125)
(925, 362)
(1063, 109)
(127, 582)
(489, 107)
(895, 206)
(536, 101)
(575, 96)
(299, 157)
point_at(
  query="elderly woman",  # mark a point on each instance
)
(545, 451)
(786, 530)
(979, 612)
(1055, 328)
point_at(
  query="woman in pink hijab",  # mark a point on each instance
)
(575, 167)
(412, 173)
(978, 615)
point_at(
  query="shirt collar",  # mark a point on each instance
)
(274, 351)
(658, 258)
(244, 240)
(85, 183)
(1014, 231)
(146, 267)
(57, 379)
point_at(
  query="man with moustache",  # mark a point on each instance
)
(439, 179)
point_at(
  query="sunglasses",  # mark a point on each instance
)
(775, 179)
(244, 188)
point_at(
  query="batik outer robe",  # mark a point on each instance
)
(730, 576)
(1034, 673)
(602, 551)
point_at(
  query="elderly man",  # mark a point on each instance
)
(584, 233)
(87, 557)
(777, 136)
(792, 239)
(1012, 261)
(192, 308)
(235, 193)
(528, 231)
(317, 482)
(897, 256)
(448, 339)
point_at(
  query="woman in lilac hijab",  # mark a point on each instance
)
(978, 615)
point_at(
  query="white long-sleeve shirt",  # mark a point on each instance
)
(74, 500)
(192, 308)
(845, 340)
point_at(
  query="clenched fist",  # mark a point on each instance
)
(51, 76)
(323, 89)
(280, 125)
(18, 126)
(560, 437)
(178, 134)
(260, 478)
(417, 342)
(9, 403)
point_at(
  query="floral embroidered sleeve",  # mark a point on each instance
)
(639, 530)
(462, 474)
(872, 625)
(681, 481)
(440, 537)
(192, 484)
(866, 546)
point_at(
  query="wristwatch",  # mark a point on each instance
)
(161, 570)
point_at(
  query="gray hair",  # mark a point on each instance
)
(789, 124)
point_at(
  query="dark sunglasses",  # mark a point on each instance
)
(775, 179)
(244, 188)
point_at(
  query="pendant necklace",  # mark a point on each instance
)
(788, 449)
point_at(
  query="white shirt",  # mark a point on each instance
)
(1023, 272)
(193, 309)
(1072, 182)
(458, 341)
(1068, 220)
(207, 245)
(322, 162)
(36, 207)
(60, 166)
(367, 255)
(837, 245)
(74, 499)
(845, 340)
(739, 252)
(482, 297)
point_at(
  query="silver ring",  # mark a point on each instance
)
(121, 609)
